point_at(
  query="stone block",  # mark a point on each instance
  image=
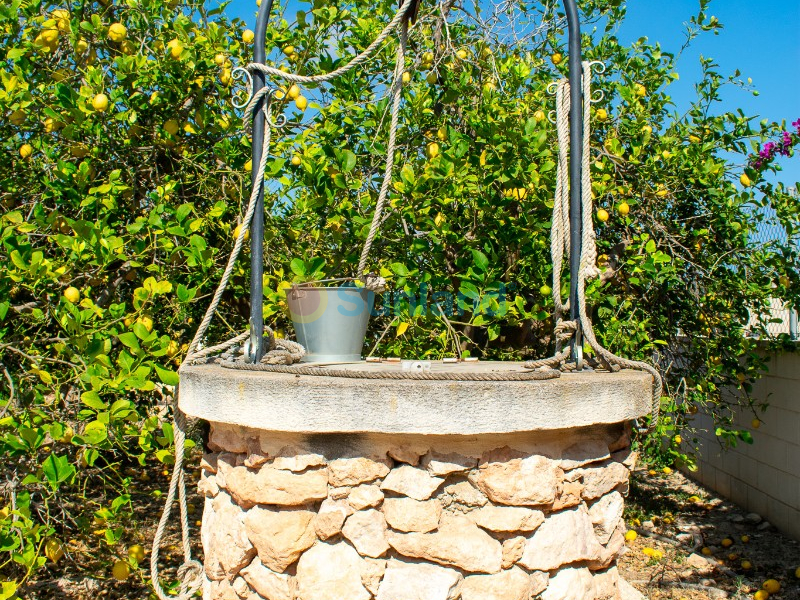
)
(280, 534)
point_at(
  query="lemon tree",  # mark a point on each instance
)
(124, 167)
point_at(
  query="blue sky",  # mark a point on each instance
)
(760, 38)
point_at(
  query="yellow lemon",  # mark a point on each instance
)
(296, 160)
(694, 139)
(772, 586)
(225, 77)
(219, 59)
(294, 91)
(127, 47)
(432, 77)
(623, 208)
(678, 440)
(462, 54)
(441, 133)
(755, 423)
(747, 565)
(72, 294)
(49, 36)
(248, 36)
(147, 322)
(667, 471)
(172, 348)
(53, 550)
(707, 551)
(641, 91)
(117, 32)
(601, 114)
(81, 46)
(631, 535)
(136, 552)
(406, 77)
(797, 572)
(301, 102)
(602, 215)
(176, 49)
(489, 87)
(557, 58)
(248, 166)
(120, 571)
(171, 127)
(745, 180)
(539, 116)
(288, 50)
(727, 543)
(100, 102)
(432, 150)
(761, 595)
(25, 151)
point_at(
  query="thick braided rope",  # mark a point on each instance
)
(589, 269)
(190, 572)
(395, 375)
(559, 229)
(357, 61)
(397, 93)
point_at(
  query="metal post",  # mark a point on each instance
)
(256, 345)
(575, 165)
(793, 324)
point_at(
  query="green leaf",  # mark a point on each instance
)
(57, 470)
(92, 400)
(298, 267)
(480, 259)
(167, 376)
(399, 269)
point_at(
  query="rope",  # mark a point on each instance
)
(559, 246)
(395, 375)
(190, 573)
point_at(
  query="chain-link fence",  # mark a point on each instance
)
(782, 319)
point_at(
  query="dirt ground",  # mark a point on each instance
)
(673, 516)
(679, 518)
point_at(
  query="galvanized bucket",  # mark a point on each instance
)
(330, 322)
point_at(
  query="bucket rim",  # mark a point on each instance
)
(306, 288)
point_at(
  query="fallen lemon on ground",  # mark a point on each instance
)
(747, 565)
(121, 571)
(761, 595)
(772, 586)
(53, 550)
(727, 543)
(136, 552)
(707, 551)
(631, 535)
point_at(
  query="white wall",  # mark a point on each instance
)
(763, 477)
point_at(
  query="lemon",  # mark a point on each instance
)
(49, 37)
(248, 166)
(441, 133)
(248, 36)
(667, 471)
(623, 208)
(406, 77)
(81, 46)
(53, 550)
(797, 572)
(545, 290)
(602, 215)
(147, 322)
(120, 571)
(678, 440)
(219, 59)
(136, 552)
(745, 180)
(727, 543)
(301, 102)
(694, 139)
(176, 49)
(289, 50)
(462, 54)
(432, 150)
(171, 127)
(432, 77)
(172, 348)
(127, 47)
(601, 114)
(100, 102)
(707, 551)
(755, 423)
(225, 77)
(294, 91)
(641, 91)
(557, 58)
(539, 116)
(772, 586)
(761, 595)
(747, 565)
(631, 535)
(489, 87)
(296, 160)
(72, 294)
(25, 151)
(117, 32)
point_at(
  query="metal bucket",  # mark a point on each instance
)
(330, 322)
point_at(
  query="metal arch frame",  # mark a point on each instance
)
(255, 346)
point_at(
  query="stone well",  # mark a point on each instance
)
(322, 488)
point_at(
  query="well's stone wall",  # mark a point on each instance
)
(357, 517)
